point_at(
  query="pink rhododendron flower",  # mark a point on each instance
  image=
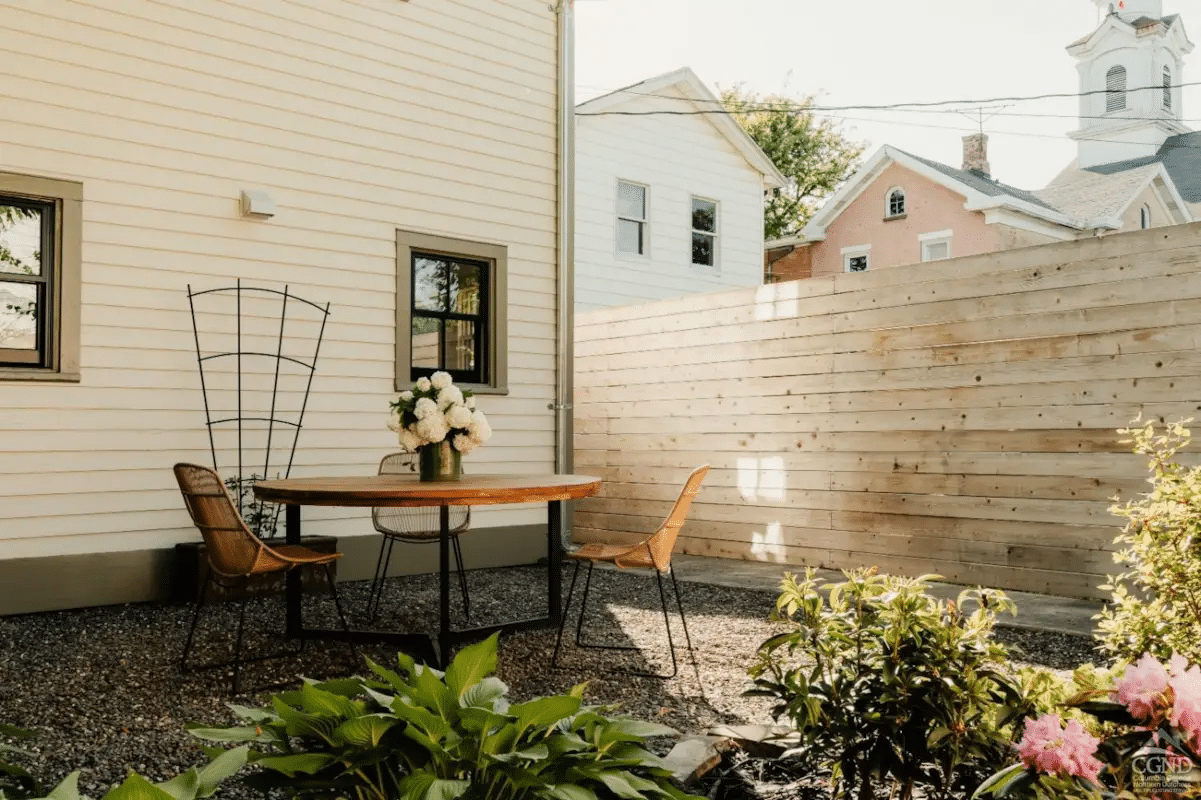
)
(1142, 687)
(1186, 703)
(1052, 749)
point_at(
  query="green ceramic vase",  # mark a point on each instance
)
(439, 462)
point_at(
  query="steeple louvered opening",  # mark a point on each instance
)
(1115, 89)
(1167, 88)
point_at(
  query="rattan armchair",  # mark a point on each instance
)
(413, 525)
(653, 553)
(235, 554)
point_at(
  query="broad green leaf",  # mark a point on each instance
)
(1002, 782)
(222, 767)
(319, 701)
(545, 711)
(415, 786)
(184, 786)
(233, 734)
(299, 723)
(251, 714)
(136, 787)
(67, 789)
(424, 720)
(619, 784)
(570, 791)
(365, 731)
(471, 665)
(443, 789)
(433, 693)
(300, 763)
(535, 753)
(483, 694)
(345, 687)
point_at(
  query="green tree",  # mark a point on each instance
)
(811, 152)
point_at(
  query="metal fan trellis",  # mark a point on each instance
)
(262, 518)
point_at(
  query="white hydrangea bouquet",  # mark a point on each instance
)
(436, 411)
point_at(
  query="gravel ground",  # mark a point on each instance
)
(102, 690)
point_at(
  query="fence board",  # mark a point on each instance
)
(957, 417)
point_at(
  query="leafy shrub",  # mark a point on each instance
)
(1141, 738)
(1156, 603)
(885, 683)
(15, 781)
(195, 784)
(421, 734)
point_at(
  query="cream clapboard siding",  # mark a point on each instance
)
(676, 158)
(358, 117)
(958, 417)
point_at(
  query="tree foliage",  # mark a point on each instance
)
(811, 152)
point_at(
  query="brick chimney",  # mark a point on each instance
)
(975, 153)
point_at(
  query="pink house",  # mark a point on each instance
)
(1136, 168)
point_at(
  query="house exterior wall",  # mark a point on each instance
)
(676, 158)
(1132, 219)
(788, 264)
(929, 207)
(358, 119)
(1010, 238)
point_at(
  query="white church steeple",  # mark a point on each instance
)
(1130, 72)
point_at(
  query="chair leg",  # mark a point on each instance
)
(333, 590)
(187, 647)
(381, 579)
(375, 580)
(671, 645)
(458, 548)
(579, 626)
(238, 639)
(680, 606)
(554, 661)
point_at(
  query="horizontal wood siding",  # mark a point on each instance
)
(358, 117)
(956, 417)
(676, 158)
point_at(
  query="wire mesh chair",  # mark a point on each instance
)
(653, 553)
(413, 525)
(235, 554)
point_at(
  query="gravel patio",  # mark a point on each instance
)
(102, 690)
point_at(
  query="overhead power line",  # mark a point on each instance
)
(790, 107)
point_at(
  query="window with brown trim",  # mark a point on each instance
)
(40, 236)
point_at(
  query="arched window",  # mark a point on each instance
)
(1115, 89)
(896, 202)
(1144, 217)
(1167, 88)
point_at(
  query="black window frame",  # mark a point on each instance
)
(46, 283)
(702, 234)
(896, 203)
(481, 320)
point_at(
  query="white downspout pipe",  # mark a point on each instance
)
(565, 273)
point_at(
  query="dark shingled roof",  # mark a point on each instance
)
(1181, 155)
(982, 182)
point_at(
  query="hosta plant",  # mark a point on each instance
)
(195, 784)
(421, 734)
(1156, 603)
(888, 686)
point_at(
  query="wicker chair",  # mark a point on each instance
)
(235, 554)
(413, 525)
(652, 553)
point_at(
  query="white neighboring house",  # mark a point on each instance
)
(667, 204)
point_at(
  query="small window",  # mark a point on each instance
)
(1115, 89)
(896, 203)
(1167, 89)
(450, 310)
(855, 258)
(935, 246)
(704, 232)
(631, 218)
(40, 236)
(1144, 217)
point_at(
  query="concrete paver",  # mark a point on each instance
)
(1035, 611)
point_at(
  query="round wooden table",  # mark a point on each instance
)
(408, 491)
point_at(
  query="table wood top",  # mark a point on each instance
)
(408, 491)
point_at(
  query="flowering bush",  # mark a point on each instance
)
(1148, 744)
(1156, 602)
(436, 410)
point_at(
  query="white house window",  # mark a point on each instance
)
(896, 203)
(1144, 217)
(631, 218)
(704, 232)
(935, 245)
(856, 258)
(1167, 88)
(1115, 89)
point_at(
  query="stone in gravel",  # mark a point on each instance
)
(694, 756)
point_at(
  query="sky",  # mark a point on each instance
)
(874, 52)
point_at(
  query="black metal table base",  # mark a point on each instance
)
(435, 650)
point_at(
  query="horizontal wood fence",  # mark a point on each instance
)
(956, 417)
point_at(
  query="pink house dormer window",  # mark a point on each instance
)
(896, 203)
